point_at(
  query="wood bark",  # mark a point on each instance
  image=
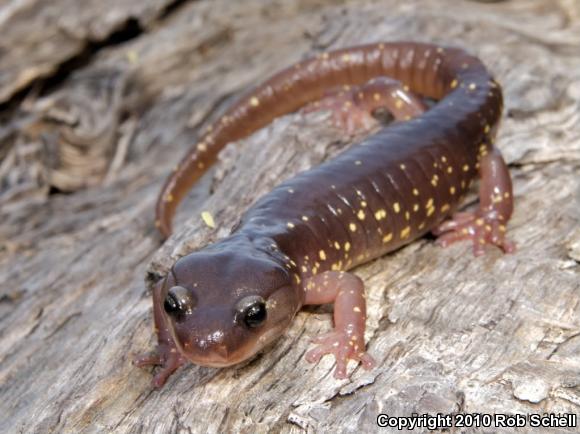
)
(84, 149)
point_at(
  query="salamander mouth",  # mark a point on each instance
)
(219, 356)
(213, 362)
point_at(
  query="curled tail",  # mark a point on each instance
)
(428, 70)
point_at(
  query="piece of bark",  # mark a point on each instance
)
(451, 333)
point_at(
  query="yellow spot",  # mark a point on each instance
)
(465, 167)
(290, 225)
(201, 147)
(358, 162)
(200, 165)
(479, 222)
(452, 190)
(297, 277)
(445, 208)
(337, 245)
(254, 102)
(402, 166)
(208, 219)
(430, 211)
(305, 218)
(322, 255)
(397, 207)
(304, 269)
(421, 226)
(501, 228)
(454, 84)
(133, 57)
(399, 103)
(444, 159)
(450, 170)
(506, 194)
(335, 267)
(345, 58)
(376, 97)
(407, 215)
(415, 192)
(361, 214)
(346, 246)
(434, 180)
(169, 198)
(429, 203)
(356, 309)
(352, 227)
(416, 207)
(486, 129)
(380, 214)
(406, 232)
(387, 238)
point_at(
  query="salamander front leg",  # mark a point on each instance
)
(487, 225)
(353, 107)
(166, 355)
(346, 341)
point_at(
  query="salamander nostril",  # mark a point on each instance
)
(179, 301)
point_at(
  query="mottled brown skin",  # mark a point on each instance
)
(222, 304)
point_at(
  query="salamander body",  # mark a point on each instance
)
(222, 304)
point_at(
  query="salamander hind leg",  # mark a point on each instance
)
(352, 107)
(346, 341)
(487, 225)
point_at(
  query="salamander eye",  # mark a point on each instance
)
(179, 301)
(252, 311)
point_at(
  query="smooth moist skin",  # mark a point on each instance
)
(293, 247)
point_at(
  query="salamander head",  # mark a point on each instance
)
(223, 306)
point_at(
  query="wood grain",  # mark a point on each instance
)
(451, 333)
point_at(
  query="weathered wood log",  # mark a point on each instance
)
(452, 333)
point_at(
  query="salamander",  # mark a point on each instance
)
(222, 304)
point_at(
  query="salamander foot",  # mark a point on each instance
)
(168, 358)
(343, 346)
(480, 227)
